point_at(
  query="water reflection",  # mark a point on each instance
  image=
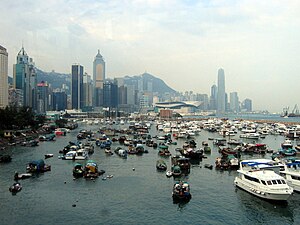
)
(262, 209)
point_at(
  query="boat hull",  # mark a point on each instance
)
(268, 195)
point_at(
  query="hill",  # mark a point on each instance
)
(58, 79)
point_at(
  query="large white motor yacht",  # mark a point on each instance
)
(261, 181)
(291, 173)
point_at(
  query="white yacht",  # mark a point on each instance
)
(291, 173)
(261, 181)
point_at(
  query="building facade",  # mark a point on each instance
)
(110, 94)
(59, 100)
(3, 77)
(98, 79)
(77, 87)
(221, 104)
(42, 97)
(234, 102)
(25, 79)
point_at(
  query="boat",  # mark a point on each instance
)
(287, 144)
(161, 165)
(181, 191)
(192, 153)
(91, 170)
(176, 171)
(169, 173)
(80, 154)
(182, 162)
(254, 136)
(78, 170)
(261, 181)
(291, 173)
(37, 166)
(48, 156)
(121, 152)
(16, 187)
(22, 176)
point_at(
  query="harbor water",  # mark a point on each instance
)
(136, 194)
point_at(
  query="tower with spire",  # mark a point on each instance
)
(25, 78)
(98, 79)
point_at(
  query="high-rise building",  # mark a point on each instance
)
(25, 79)
(110, 94)
(42, 97)
(77, 87)
(3, 77)
(87, 91)
(59, 100)
(234, 102)
(221, 92)
(247, 105)
(213, 97)
(99, 79)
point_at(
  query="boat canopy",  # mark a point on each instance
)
(39, 162)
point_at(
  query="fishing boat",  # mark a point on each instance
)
(291, 173)
(261, 181)
(78, 170)
(91, 170)
(176, 171)
(161, 165)
(22, 176)
(121, 152)
(37, 166)
(16, 187)
(169, 173)
(181, 191)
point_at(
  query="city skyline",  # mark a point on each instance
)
(255, 42)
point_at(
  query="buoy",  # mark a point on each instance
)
(65, 182)
(133, 169)
(74, 205)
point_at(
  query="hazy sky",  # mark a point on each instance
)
(256, 42)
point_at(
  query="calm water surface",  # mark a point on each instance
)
(140, 196)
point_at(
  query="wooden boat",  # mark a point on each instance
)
(181, 191)
(48, 156)
(16, 187)
(169, 174)
(37, 166)
(78, 170)
(176, 171)
(22, 176)
(161, 165)
(91, 170)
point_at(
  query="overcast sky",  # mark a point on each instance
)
(256, 42)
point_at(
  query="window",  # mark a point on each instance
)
(252, 178)
(263, 182)
(279, 181)
(274, 181)
(283, 181)
(269, 182)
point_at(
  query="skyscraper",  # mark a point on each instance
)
(99, 78)
(77, 87)
(42, 97)
(213, 97)
(25, 78)
(234, 102)
(221, 91)
(3, 77)
(110, 94)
